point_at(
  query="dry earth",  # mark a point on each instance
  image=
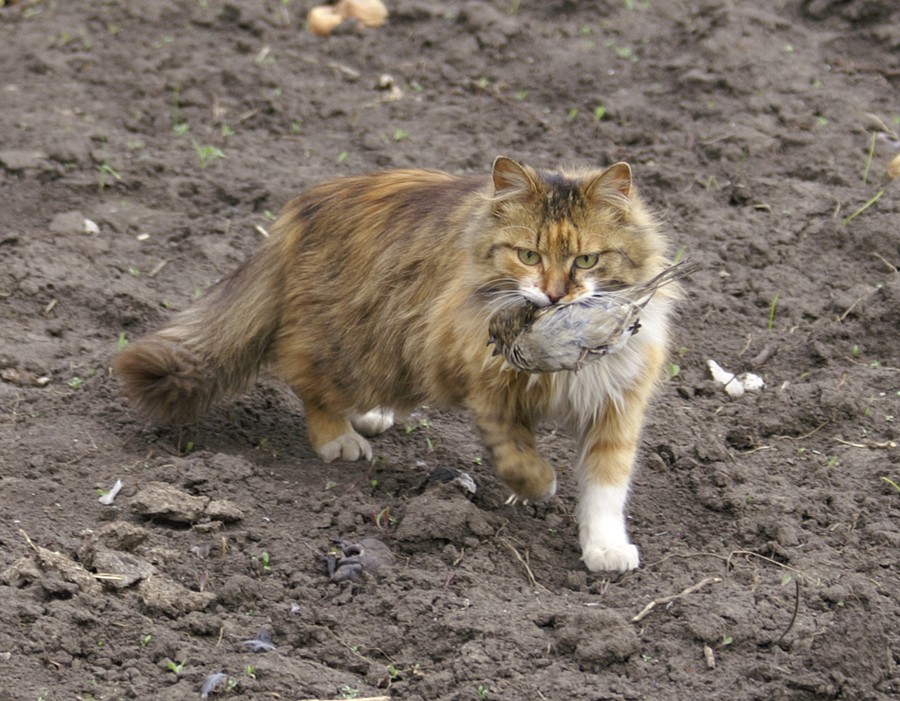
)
(768, 524)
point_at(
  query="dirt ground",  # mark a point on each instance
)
(144, 148)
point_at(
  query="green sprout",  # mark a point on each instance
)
(106, 175)
(175, 667)
(206, 154)
(772, 308)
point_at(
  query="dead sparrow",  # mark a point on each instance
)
(564, 337)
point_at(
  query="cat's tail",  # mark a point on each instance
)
(212, 349)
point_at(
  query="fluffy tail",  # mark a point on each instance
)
(211, 350)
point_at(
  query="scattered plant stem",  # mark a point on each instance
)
(667, 599)
(528, 571)
(793, 616)
(358, 698)
(869, 158)
(772, 308)
(862, 209)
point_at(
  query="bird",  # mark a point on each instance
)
(558, 337)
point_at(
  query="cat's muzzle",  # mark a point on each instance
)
(565, 337)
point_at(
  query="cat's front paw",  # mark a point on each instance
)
(514, 498)
(349, 446)
(598, 557)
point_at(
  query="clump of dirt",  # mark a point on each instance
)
(145, 149)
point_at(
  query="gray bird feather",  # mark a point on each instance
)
(566, 336)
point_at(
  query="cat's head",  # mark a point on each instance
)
(558, 237)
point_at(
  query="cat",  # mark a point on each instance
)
(372, 296)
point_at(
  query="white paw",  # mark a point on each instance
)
(601, 527)
(350, 446)
(373, 422)
(615, 558)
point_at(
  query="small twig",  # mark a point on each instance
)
(880, 444)
(528, 571)
(28, 540)
(855, 304)
(805, 435)
(674, 597)
(884, 260)
(765, 355)
(158, 268)
(770, 560)
(864, 207)
(793, 616)
(358, 698)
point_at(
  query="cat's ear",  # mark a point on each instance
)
(612, 185)
(511, 179)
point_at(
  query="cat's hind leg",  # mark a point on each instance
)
(373, 422)
(333, 437)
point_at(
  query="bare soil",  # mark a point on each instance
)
(768, 524)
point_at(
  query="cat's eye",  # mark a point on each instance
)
(529, 257)
(586, 260)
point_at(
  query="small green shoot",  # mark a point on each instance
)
(175, 667)
(892, 483)
(348, 692)
(75, 382)
(599, 112)
(266, 561)
(572, 113)
(250, 671)
(400, 134)
(673, 370)
(145, 639)
(679, 255)
(521, 94)
(122, 342)
(342, 156)
(772, 307)
(393, 672)
(864, 207)
(107, 175)
(483, 692)
(206, 154)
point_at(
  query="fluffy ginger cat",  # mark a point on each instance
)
(373, 294)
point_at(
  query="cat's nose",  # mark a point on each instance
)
(554, 297)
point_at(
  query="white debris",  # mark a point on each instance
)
(108, 498)
(735, 385)
(90, 227)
